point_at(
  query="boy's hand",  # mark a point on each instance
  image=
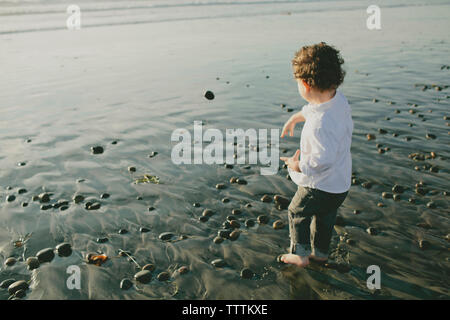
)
(288, 127)
(293, 161)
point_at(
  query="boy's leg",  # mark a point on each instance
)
(299, 212)
(323, 223)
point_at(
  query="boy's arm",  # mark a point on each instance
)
(290, 124)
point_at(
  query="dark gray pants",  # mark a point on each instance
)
(312, 215)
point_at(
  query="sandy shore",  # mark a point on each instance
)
(64, 92)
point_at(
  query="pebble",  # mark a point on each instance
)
(93, 206)
(151, 208)
(230, 218)
(225, 200)
(114, 142)
(380, 204)
(97, 150)
(218, 240)
(356, 211)
(150, 267)
(163, 276)
(6, 283)
(386, 195)
(203, 219)
(218, 263)
(372, 231)
(248, 205)
(396, 197)
(207, 213)
(236, 211)
(241, 181)
(45, 255)
(153, 154)
(33, 263)
(350, 242)
(224, 233)
(122, 231)
(10, 198)
(104, 196)
(166, 236)
(281, 202)
(424, 244)
(266, 198)
(233, 180)
(220, 186)
(246, 273)
(132, 169)
(366, 185)
(102, 240)
(228, 166)
(183, 270)
(226, 225)
(431, 205)
(234, 235)
(139, 198)
(143, 276)
(10, 261)
(398, 189)
(430, 136)
(16, 286)
(78, 198)
(381, 151)
(144, 229)
(46, 206)
(382, 131)
(24, 204)
(412, 200)
(279, 224)
(126, 284)
(262, 219)
(21, 191)
(234, 224)
(370, 136)
(64, 249)
(209, 95)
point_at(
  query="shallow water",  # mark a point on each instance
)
(135, 83)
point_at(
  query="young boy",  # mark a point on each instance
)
(323, 172)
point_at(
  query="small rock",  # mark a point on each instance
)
(233, 180)
(266, 198)
(10, 198)
(64, 249)
(16, 286)
(153, 154)
(424, 244)
(236, 211)
(46, 206)
(225, 200)
(102, 240)
(382, 131)
(143, 276)
(45, 255)
(220, 186)
(246, 273)
(241, 181)
(24, 204)
(235, 224)
(207, 213)
(372, 231)
(122, 231)
(126, 284)
(366, 185)
(163, 276)
(431, 205)
(370, 136)
(430, 136)
(218, 263)
(183, 270)
(228, 166)
(97, 150)
(10, 261)
(279, 224)
(150, 267)
(196, 204)
(396, 197)
(262, 219)
(209, 95)
(78, 198)
(398, 189)
(166, 236)
(132, 169)
(386, 195)
(224, 234)
(33, 263)
(218, 240)
(94, 206)
(104, 196)
(22, 191)
(144, 229)
(6, 283)
(234, 235)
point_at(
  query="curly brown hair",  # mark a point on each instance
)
(320, 66)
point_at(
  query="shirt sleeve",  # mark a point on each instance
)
(324, 147)
(305, 111)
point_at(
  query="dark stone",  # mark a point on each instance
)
(126, 284)
(196, 204)
(218, 240)
(431, 205)
(97, 150)
(143, 276)
(62, 208)
(24, 204)
(356, 211)
(46, 206)
(235, 224)
(248, 205)
(144, 229)
(386, 195)
(21, 191)
(225, 200)
(21, 164)
(166, 236)
(218, 263)
(220, 186)
(78, 198)
(424, 244)
(372, 231)
(209, 95)
(153, 154)
(246, 273)
(234, 235)
(207, 213)
(94, 206)
(33, 263)
(114, 142)
(224, 234)
(282, 202)
(163, 276)
(64, 249)
(10, 261)
(233, 180)
(45, 255)
(104, 196)
(266, 198)
(139, 198)
(278, 224)
(370, 136)
(366, 185)
(249, 223)
(241, 181)
(150, 267)
(236, 211)
(226, 225)
(151, 208)
(6, 283)
(122, 231)
(382, 131)
(396, 197)
(262, 219)
(183, 270)
(10, 198)
(102, 240)
(230, 218)
(131, 169)
(16, 286)
(430, 136)
(398, 189)
(228, 166)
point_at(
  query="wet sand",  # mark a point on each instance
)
(64, 92)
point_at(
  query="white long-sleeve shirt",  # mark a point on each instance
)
(325, 158)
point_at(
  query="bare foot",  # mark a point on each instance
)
(299, 261)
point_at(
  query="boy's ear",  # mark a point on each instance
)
(307, 87)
